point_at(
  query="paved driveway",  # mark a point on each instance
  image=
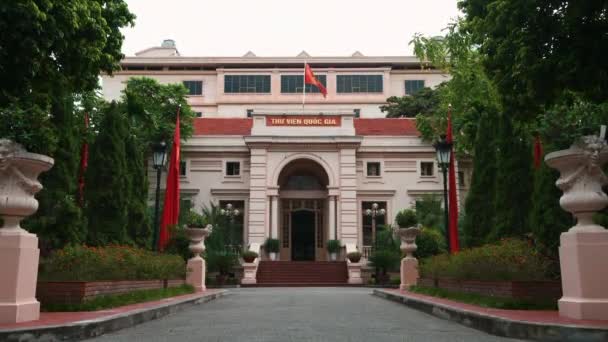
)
(300, 314)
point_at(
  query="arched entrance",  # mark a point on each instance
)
(303, 204)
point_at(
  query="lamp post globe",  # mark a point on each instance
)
(159, 158)
(443, 148)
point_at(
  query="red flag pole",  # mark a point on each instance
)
(452, 191)
(171, 205)
(304, 87)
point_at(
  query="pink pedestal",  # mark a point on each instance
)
(354, 273)
(409, 273)
(196, 273)
(19, 272)
(584, 266)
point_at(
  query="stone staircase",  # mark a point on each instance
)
(302, 273)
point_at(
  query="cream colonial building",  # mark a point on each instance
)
(306, 174)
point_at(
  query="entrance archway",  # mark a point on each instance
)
(303, 193)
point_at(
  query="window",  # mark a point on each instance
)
(194, 87)
(461, 181)
(233, 238)
(359, 83)
(427, 169)
(182, 168)
(249, 113)
(247, 84)
(198, 114)
(233, 168)
(373, 169)
(413, 86)
(357, 112)
(369, 233)
(293, 84)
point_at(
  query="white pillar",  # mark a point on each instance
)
(332, 217)
(275, 217)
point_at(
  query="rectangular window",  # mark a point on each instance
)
(233, 236)
(194, 87)
(359, 83)
(182, 168)
(413, 86)
(427, 169)
(369, 234)
(373, 169)
(233, 168)
(293, 84)
(198, 114)
(461, 181)
(247, 84)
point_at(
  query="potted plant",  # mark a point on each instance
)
(333, 247)
(354, 256)
(272, 246)
(406, 218)
(249, 256)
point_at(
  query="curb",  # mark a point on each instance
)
(501, 326)
(96, 327)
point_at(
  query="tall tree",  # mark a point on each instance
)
(537, 50)
(139, 223)
(108, 184)
(479, 204)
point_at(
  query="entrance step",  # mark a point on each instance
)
(302, 273)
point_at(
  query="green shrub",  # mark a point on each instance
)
(430, 242)
(196, 220)
(82, 263)
(509, 259)
(406, 218)
(384, 260)
(272, 245)
(178, 243)
(221, 261)
(333, 246)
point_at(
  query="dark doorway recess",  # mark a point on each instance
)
(303, 236)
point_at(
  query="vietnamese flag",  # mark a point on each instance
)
(452, 196)
(309, 78)
(171, 205)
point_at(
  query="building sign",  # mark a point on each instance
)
(303, 120)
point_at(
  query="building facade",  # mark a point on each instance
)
(303, 173)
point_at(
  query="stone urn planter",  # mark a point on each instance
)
(19, 251)
(409, 264)
(196, 265)
(583, 250)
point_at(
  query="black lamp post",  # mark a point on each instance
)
(159, 157)
(231, 213)
(444, 149)
(373, 213)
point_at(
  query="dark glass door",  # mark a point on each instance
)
(303, 236)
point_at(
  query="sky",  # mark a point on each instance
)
(286, 27)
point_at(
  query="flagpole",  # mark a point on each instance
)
(304, 87)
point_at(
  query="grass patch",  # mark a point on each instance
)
(112, 301)
(486, 301)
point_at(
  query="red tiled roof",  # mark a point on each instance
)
(222, 126)
(242, 126)
(382, 126)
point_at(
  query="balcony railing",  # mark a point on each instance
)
(366, 251)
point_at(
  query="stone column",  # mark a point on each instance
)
(583, 250)
(332, 217)
(258, 198)
(19, 251)
(409, 264)
(275, 217)
(196, 267)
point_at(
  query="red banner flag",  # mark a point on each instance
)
(171, 205)
(84, 161)
(309, 78)
(538, 152)
(452, 193)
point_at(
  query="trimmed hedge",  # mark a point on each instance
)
(509, 259)
(114, 262)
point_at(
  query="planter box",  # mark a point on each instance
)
(546, 290)
(75, 292)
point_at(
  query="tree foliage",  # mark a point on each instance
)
(424, 102)
(535, 51)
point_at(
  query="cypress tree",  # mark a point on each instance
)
(107, 181)
(139, 228)
(513, 182)
(479, 205)
(59, 219)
